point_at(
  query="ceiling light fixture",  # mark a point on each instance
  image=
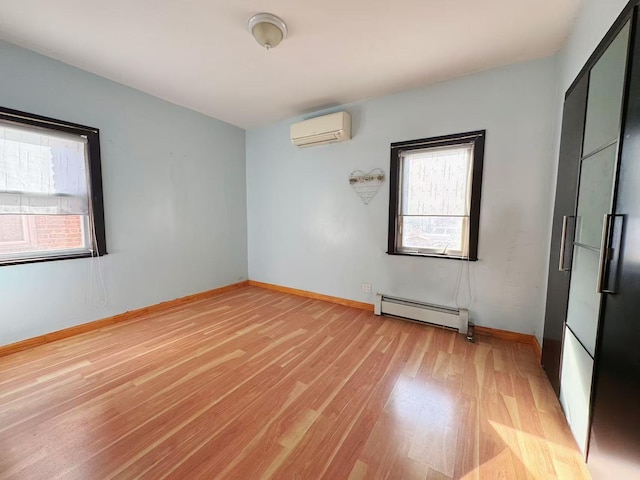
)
(267, 29)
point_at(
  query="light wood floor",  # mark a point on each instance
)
(258, 384)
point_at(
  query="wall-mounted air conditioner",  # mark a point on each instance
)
(332, 128)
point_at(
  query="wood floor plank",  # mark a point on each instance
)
(260, 384)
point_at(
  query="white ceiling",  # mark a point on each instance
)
(198, 53)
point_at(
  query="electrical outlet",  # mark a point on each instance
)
(366, 288)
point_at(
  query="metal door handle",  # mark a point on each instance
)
(604, 251)
(563, 243)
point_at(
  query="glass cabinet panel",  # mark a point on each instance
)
(584, 301)
(596, 192)
(606, 88)
(576, 388)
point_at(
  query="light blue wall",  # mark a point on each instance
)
(309, 230)
(174, 191)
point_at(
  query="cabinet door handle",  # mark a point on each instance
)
(563, 243)
(610, 255)
(604, 251)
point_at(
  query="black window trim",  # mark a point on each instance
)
(478, 138)
(96, 210)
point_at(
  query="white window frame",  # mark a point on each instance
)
(470, 224)
(93, 225)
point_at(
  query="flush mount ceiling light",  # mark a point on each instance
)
(267, 29)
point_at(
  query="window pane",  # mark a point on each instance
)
(30, 235)
(42, 172)
(440, 233)
(606, 89)
(435, 181)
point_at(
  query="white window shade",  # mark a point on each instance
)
(436, 181)
(42, 173)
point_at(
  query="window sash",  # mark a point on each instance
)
(469, 249)
(464, 240)
(29, 249)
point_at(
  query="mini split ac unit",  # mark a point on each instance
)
(332, 128)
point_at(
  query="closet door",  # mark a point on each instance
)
(614, 450)
(573, 117)
(592, 224)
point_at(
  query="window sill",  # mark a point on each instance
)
(433, 255)
(22, 261)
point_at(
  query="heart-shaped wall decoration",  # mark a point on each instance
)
(366, 185)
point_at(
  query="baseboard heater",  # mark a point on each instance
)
(456, 318)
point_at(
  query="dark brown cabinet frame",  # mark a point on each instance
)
(615, 392)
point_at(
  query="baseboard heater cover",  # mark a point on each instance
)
(456, 318)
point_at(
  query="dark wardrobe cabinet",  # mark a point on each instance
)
(591, 348)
